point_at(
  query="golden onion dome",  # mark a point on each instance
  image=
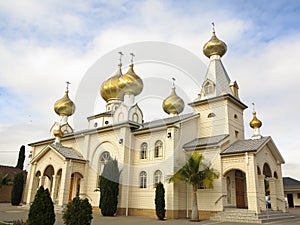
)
(58, 132)
(64, 106)
(214, 46)
(255, 123)
(110, 89)
(173, 104)
(131, 83)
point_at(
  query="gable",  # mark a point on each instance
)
(256, 146)
(64, 153)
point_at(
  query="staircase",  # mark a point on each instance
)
(245, 216)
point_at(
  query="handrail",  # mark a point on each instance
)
(86, 195)
(222, 196)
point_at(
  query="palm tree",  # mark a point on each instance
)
(198, 174)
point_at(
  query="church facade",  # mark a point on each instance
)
(69, 162)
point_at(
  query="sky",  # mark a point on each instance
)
(43, 44)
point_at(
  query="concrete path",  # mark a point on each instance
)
(9, 213)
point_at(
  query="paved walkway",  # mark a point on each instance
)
(9, 213)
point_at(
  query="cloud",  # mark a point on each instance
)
(45, 43)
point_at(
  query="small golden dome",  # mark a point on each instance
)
(214, 47)
(173, 104)
(110, 89)
(255, 123)
(64, 106)
(130, 82)
(58, 132)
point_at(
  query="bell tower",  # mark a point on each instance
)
(219, 105)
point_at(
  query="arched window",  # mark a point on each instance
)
(266, 170)
(157, 177)
(144, 148)
(208, 87)
(105, 156)
(143, 179)
(135, 117)
(158, 149)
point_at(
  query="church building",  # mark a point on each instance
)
(69, 162)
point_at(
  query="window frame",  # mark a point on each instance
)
(143, 152)
(143, 179)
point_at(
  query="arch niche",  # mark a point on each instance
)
(236, 189)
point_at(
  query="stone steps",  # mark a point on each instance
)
(245, 216)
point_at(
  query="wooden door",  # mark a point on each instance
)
(240, 193)
(71, 188)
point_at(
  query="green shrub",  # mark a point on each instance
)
(109, 188)
(41, 211)
(78, 212)
(160, 201)
(17, 190)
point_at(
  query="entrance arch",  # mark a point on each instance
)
(48, 175)
(75, 185)
(236, 189)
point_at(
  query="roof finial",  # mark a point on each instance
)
(253, 107)
(67, 82)
(173, 82)
(121, 54)
(132, 55)
(213, 27)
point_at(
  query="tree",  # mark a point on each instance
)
(198, 174)
(17, 190)
(160, 201)
(109, 188)
(78, 212)
(5, 180)
(41, 210)
(21, 158)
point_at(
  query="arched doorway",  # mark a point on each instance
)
(48, 175)
(267, 175)
(236, 189)
(75, 185)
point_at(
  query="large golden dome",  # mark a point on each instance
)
(130, 82)
(110, 89)
(64, 106)
(255, 123)
(173, 104)
(214, 47)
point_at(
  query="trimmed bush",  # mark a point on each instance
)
(109, 188)
(21, 158)
(41, 211)
(160, 201)
(17, 190)
(78, 212)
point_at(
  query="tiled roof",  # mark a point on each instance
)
(10, 170)
(249, 145)
(206, 141)
(291, 183)
(164, 122)
(66, 152)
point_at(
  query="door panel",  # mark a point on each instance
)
(240, 193)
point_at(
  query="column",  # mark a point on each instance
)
(64, 190)
(29, 194)
(273, 195)
(42, 180)
(262, 193)
(54, 187)
(252, 184)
